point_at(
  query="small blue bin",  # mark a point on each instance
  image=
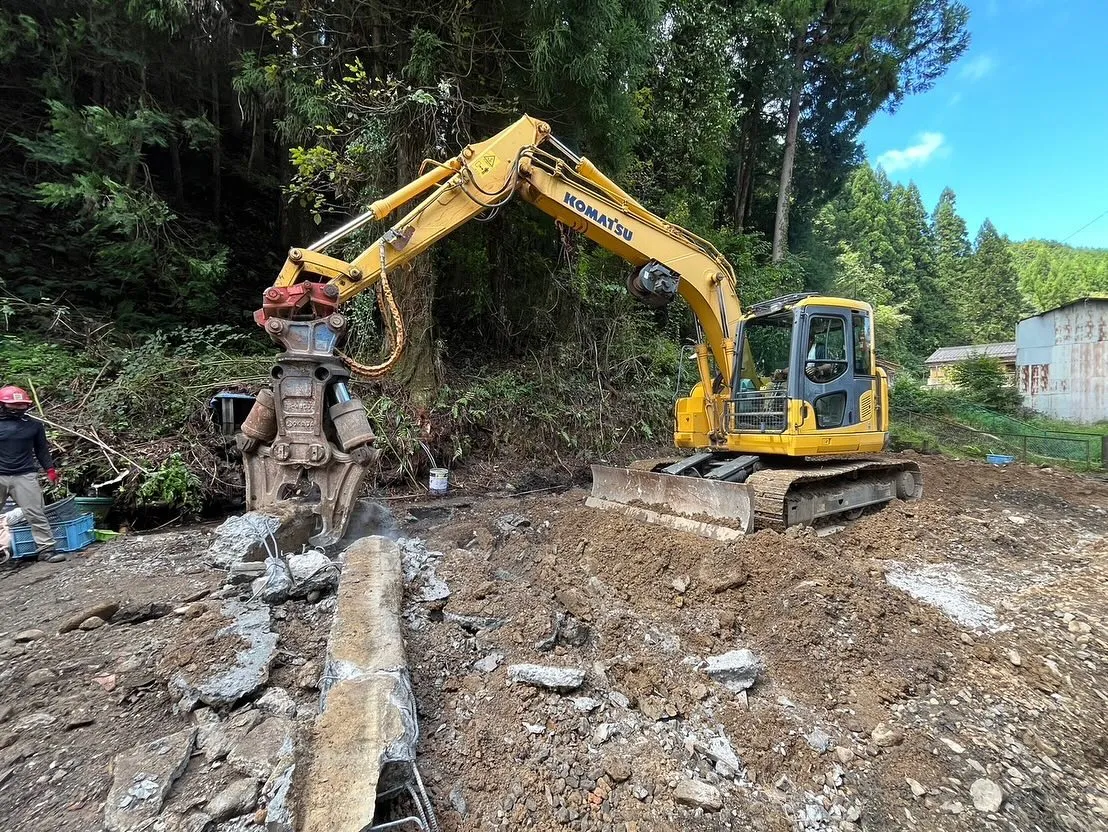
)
(999, 459)
(70, 536)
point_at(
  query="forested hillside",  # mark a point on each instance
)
(932, 286)
(160, 157)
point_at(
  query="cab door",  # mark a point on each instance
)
(835, 360)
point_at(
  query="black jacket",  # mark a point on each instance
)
(22, 440)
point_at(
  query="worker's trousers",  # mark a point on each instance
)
(25, 490)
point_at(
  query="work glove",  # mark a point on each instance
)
(52, 475)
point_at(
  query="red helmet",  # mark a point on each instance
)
(13, 396)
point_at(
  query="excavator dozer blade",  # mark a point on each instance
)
(721, 511)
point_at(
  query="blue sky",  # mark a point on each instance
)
(1018, 127)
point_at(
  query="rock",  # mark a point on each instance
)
(458, 801)
(278, 702)
(104, 610)
(245, 536)
(731, 580)
(918, 789)
(307, 678)
(508, 523)
(601, 733)
(489, 663)
(952, 745)
(141, 779)
(617, 769)
(263, 747)
(237, 799)
(618, 699)
(575, 601)
(681, 584)
(843, 754)
(28, 635)
(720, 751)
(986, 795)
(854, 813)
(41, 676)
(313, 571)
(94, 622)
(953, 807)
(543, 676)
(698, 795)
(1014, 657)
(585, 704)
(736, 670)
(818, 740)
(223, 687)
(885, 736)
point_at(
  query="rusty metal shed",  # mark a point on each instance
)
(1062, 360)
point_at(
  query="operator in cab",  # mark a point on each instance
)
(22, 445)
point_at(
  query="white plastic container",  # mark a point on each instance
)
(439, 482)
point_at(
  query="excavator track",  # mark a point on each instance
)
(772, 497)
(792, 496)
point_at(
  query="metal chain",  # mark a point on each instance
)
(390, 313)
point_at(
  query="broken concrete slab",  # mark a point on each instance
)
(238, 798)
(263, 747)
(216, 737)
(367, 731)
(253, 646)
(245, 537)
(736, 670)
(698, 795)
(544, 676)
(312, 571)
(142, 778)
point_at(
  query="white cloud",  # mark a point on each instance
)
(977, 68)
(913, 155)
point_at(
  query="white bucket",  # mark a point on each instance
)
(439, 480)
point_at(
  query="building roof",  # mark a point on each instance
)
(1084, 299)
(950, 355)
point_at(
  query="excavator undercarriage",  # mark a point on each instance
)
(722, 495)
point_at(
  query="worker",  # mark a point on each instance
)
(22, 442)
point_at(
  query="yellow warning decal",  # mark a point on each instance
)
(485, 163)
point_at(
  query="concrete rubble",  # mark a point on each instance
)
(250, 537)
(142, 778)
(543, 676)
(736, 670)
(253, 646)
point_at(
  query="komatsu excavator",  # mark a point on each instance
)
(789, 409)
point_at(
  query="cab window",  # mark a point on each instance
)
(863, 344)
(825, 359)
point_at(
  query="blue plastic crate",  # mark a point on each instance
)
(999, 459)
(70, 536)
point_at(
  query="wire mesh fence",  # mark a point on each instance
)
(927, 432)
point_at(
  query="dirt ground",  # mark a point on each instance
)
(903, 658)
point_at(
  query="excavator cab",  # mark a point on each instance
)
(808, 383)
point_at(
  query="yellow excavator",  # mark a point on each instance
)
(783, 424)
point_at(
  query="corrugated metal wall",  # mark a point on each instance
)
(1062, 362)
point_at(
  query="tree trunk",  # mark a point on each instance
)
(744, 177)
(414, 290)
(781, 222)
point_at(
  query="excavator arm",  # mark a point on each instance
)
(309, 433)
